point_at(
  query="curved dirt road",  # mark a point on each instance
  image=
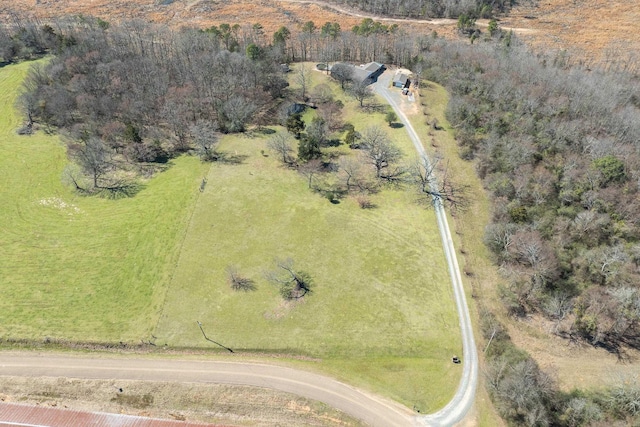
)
(433, 21)
(463, 400)
(373, 410)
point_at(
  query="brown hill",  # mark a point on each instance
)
(590, 30)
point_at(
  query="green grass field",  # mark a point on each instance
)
(75, 267)
(381, 314)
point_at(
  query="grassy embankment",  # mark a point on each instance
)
(74, 267)
(480, 275)
(381, 314)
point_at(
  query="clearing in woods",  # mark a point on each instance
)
(380, 316)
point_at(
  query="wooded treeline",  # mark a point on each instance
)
(430, 8)
(558, 148)
(141, 93)
(133, 94)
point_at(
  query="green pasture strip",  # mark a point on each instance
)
(81, 268)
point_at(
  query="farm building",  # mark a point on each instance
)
(401, 80)
(368, 73)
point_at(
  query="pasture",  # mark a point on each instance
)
(81, 268)
(381, 314)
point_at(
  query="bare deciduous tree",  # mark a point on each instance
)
(303, 78)
(93, 157)
(236, 113)
(355, 175)
(237, 281)
(280, 143)
(435, 189)
(293, 283)
(205, 139)
(361, 92)
(380, 151)
(343, 73)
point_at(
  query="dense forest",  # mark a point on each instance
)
(128, 97)
(558, 149)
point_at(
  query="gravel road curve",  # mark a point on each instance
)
(373, 410)
(463, 400)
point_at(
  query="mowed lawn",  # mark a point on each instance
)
(381, 314)
(74, 267)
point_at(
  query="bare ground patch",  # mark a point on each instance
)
(220, 404)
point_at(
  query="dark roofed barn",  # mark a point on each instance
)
(368, 73)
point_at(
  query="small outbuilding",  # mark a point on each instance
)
(401, 80)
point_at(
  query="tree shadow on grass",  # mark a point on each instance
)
(231, 159)
(375, 108)
(260, 131)
(121, 190)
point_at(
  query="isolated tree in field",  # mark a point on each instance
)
(361, 92)
(295, 125)
(438, 190)
(322, 93)
(303, 78)
(318, 131)
(280, 143)
(343, 73)
(93, 157)
(390, 117)
(351, 136)
(354, 174)
(205, 139)
(237, 281)
(308, 148)
(331, 112)
(381, 152)
(293, 283)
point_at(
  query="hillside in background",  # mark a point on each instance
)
(590, 30)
